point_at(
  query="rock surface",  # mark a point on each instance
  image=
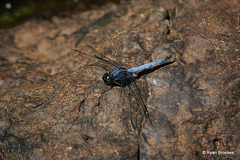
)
(54, 104)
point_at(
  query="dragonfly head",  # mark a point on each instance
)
(107, 78)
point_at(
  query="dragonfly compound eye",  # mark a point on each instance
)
(106, 78)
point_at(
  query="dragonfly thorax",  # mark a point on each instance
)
(119, 77)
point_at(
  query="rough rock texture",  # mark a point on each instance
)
(54, 104)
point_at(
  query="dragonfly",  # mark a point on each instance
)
(123, 77)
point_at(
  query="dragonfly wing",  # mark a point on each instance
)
(137, 108)
(100, 56)
(139, 97)
(97, 55)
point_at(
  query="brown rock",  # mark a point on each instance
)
(54, 104)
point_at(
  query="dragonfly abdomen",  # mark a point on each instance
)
(148, 65)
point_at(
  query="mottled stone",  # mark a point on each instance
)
(54, 104)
